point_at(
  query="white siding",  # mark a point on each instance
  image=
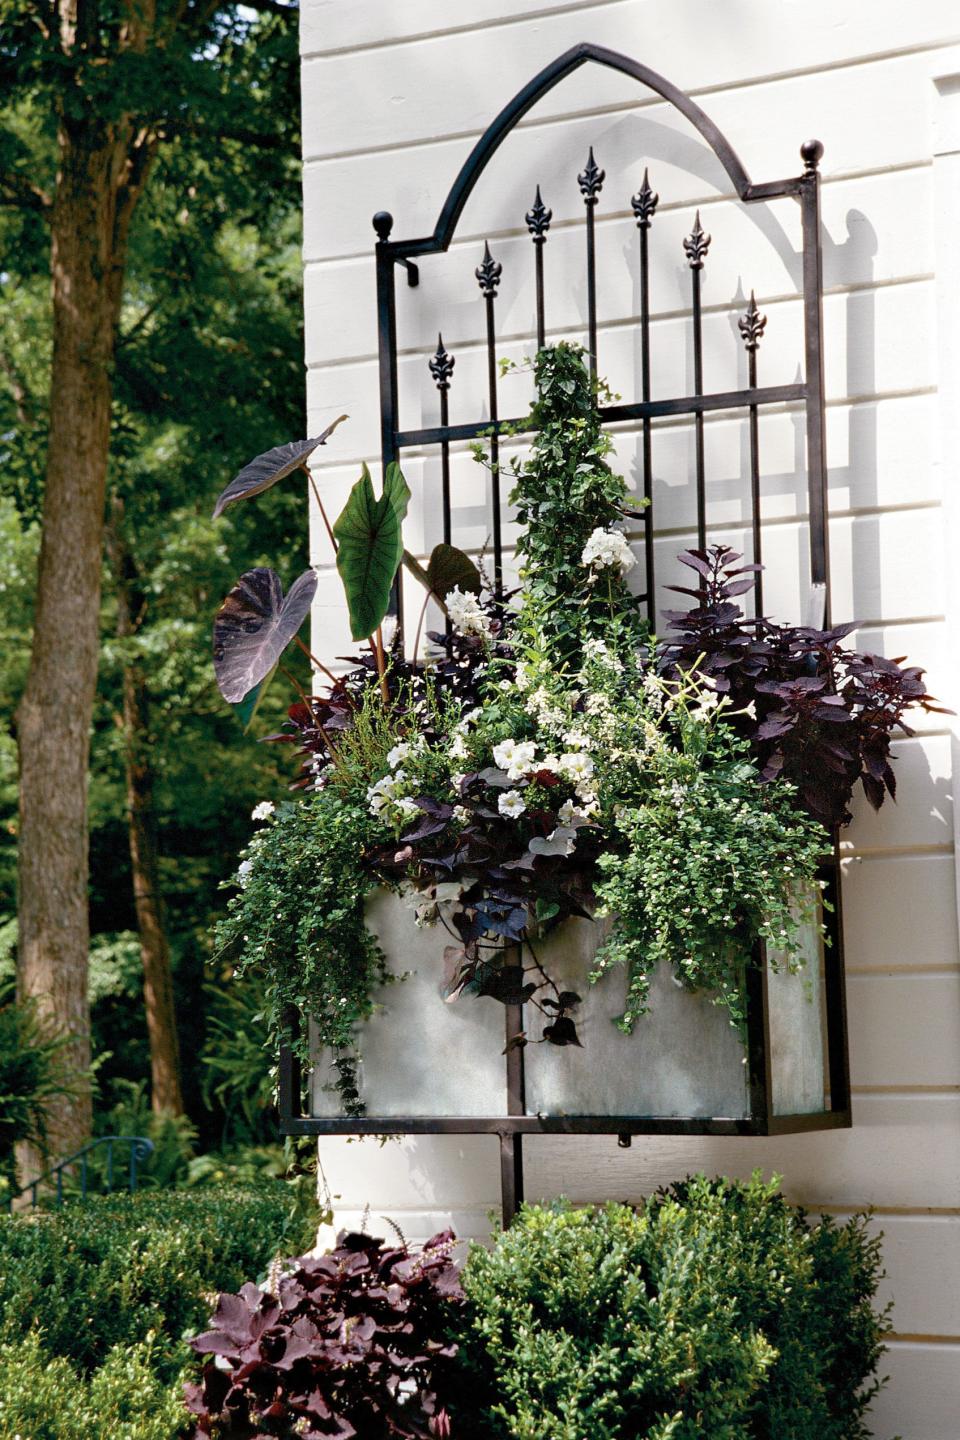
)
(394, 97)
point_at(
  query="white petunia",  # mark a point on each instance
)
(576, 767)
(568, 813)
(516, 757)
(398, 754)
(606, 549)
(511, 804)
(263, 811)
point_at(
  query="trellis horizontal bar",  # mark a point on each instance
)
(610, 414)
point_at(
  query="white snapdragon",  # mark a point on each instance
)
(511, 804)
(263, 811)
(466, 614)
(606, 549)
(516, 757)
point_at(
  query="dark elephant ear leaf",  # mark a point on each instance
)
(246, 709)
(370, 547)
(254, 626)
(270, 467)
(449, 569)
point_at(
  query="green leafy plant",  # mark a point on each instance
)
(370, 547)
(32, 1072)
(713, 1309)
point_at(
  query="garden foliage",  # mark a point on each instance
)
(710, 1311)
(350, 1344)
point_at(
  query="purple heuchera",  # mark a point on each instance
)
(352, 1345)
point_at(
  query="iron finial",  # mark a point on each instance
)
(488, 272)
(752, 324)
(441, 366)
(811, 153)
(538, 219)
(697, 244)
(383, 224)
(591, 180)
(645, 203)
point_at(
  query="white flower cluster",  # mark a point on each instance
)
(607, 548)
(515, 757)
(467, 615)
(388, 798)
(263, 811)
(599, 653)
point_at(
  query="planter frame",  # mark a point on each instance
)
(808, 394)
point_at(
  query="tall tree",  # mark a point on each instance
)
(115, 83)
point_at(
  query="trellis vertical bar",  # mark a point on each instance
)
(645, 204)
(488, 274)
(387, 330)
(834, 979)
(441, 368)
(696, 245)
(538, 223)
(811, 153)
(759, 1073)
(752, 325)
(591, 181)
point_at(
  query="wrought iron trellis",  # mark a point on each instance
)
(807, 393)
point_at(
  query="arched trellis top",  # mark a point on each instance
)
(551, 75)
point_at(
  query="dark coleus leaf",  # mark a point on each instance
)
(254, 626)
(271, 466)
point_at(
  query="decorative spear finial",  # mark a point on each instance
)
(591, 180)
(696, 245)
(488, 272)
(538, 219)
(645, 203)
(441, 366)
(752, 324)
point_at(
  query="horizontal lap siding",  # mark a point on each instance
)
(394, 98)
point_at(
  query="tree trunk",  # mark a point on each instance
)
(165, 1091)
(101, 168)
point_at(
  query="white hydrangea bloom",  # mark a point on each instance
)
(263, 811)
(608, 548)
(511, 804)
(466, 614)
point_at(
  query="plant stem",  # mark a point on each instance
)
(376, 645)
(297, 686)
(317, 664)
(416, 643)
(323, 513)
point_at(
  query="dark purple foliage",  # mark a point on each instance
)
(353, 1345)
(825, 715)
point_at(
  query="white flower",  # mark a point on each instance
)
(398, 753)
(466, 614)
(568, 813)
(550, 762)
(472, 716)
(263, 811)
(511, 804)
(576, 767)
(707, 701)
(750, 710)
(523, 679)
(458, 748)
(243, 873)
(577, 740)
(408, 806)
(515, 757)
(461, 813)
(607, 548)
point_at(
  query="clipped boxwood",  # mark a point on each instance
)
(110, 1272)
(713, 1310)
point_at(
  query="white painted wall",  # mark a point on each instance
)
(395, 94)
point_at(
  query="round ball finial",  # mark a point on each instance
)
(383, 224)
(811, 153)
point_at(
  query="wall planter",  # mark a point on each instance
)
(599, 824)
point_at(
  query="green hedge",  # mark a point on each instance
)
(95, 1300)
(711, 1311)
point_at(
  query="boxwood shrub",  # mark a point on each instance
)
(108, 1273)
(712, 1310)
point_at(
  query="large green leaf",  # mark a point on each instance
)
(370, 547)
(450, 569)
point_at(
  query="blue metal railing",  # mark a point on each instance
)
(140, 1149)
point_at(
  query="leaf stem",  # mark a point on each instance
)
(416, 643)
(323, 513)
(317, 664)
(376, 645)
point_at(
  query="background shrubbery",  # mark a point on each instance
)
(95, 1300)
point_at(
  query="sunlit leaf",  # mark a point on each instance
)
(270, 467)
(450, 569)
(254, 626)
(370, 548)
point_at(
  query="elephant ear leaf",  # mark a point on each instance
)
(370, 547)
(450, 569)
(270, 467)
(254, 626)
